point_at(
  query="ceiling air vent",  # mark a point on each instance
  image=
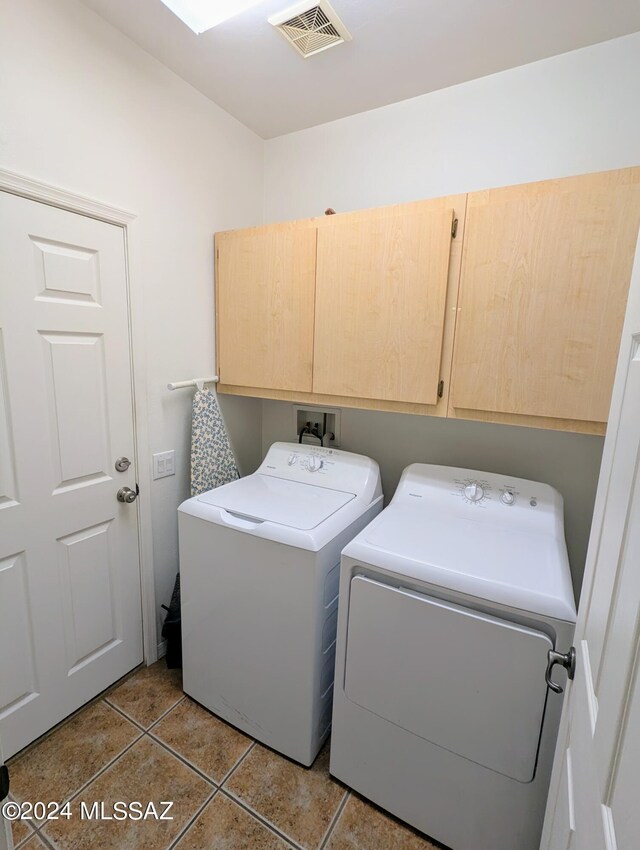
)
(311, 27)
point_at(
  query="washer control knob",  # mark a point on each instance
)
(474, 491)
(314, 463)
(508, 498)
(292, 459)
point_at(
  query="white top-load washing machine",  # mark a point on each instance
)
(449, 603)
(259, 575)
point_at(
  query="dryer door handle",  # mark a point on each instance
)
(567, 660)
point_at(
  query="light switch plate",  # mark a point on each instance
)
(164, 463)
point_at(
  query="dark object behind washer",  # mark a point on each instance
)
(172, 628)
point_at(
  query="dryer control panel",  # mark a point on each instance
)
(509, 492)
(483, 496)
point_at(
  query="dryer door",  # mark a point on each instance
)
(466, 681)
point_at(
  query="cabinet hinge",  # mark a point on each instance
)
(454, 228)
(440, 389)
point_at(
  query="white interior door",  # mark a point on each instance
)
(593, 801)
(70, 613)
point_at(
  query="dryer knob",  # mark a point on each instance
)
(474, 491)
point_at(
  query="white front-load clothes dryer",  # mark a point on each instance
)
(450, 601)
(259, 574)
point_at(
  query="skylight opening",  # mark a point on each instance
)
(203, 15)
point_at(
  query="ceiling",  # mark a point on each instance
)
(400, 49)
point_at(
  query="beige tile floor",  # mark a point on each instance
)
(144, 740)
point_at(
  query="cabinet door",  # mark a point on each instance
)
(264, 295)
(381, 289)
(545, 274)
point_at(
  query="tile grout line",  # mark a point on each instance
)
(263, 820)
(38, 825)
(213, 790)
(229, 795)
(230, 773)
(110, 763)
(95, 776)
(45, 840)
(153, 723)
(168, 711)
(139, 738)
(335, 819)
(185, 761)
(267, 823)
(193, 819)
(147, 733)
(125, 716)
(154, 736)
(28, 837)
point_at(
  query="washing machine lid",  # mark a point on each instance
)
(513, 568)
(265, 498)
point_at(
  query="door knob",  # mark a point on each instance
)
(127, 495)
(567, 660)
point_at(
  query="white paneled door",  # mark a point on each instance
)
(593, 803)
(70, 612)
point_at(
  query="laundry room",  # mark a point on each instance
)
(319, 383)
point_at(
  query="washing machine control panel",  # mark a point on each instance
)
(313, 463)
(322, 466)
(319, 459)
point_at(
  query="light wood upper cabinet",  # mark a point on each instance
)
(545, 275)
(517, 319)
(381, 289)
(265, 283)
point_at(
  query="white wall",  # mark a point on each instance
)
(571, 114)
(85, 109)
